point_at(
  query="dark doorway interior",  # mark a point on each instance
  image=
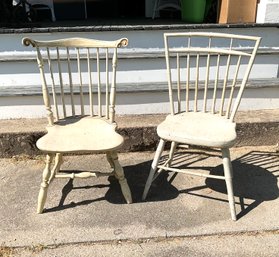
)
(71, 10)
(115, 8)
(128, 8)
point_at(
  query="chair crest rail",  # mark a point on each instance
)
(75, 42)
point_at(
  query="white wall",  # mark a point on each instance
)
(141, 70)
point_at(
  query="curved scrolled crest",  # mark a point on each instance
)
(28, 41)
(75, 42)
(123, 42)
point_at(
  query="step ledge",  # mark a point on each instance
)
(35, 90)
(144, 27)
(254, 128)
(131, 53)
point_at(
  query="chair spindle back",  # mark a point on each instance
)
(212, 69)
(78, 76)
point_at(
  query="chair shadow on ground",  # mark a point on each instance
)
(255, 181)
(136, 176)
(67, 189)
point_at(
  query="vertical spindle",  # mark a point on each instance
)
(178, 83)
(216, 82)
(80, 83)
(52, 85)
(70, 81)
(206, 78)
(90, 87)
(197, 82)
(233, 86)
(107, 83)
(99, 83)
(61, 83)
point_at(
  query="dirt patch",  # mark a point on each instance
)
(6, 251)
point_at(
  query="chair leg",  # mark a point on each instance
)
(44, 185)
(229, 178)
(111, 164)
(172, 151)
(153, 168)
(110, 161)
(119, 174)
(56, 167)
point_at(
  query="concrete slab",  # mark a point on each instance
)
(94, 211)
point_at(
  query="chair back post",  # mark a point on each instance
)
(45, 91)
(46, 97)
(246, 76)
(113, 88)
(169, 74)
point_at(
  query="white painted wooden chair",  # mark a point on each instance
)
(207, 73)
(80, 75)
(165, 5)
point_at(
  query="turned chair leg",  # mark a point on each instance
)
(48, 176)
(110, 161)
(44, 185)
(229, 178)
(119, 174)
(56, 167)
(153, 168)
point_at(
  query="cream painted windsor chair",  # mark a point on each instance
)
(207, 73)
(81, 77)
